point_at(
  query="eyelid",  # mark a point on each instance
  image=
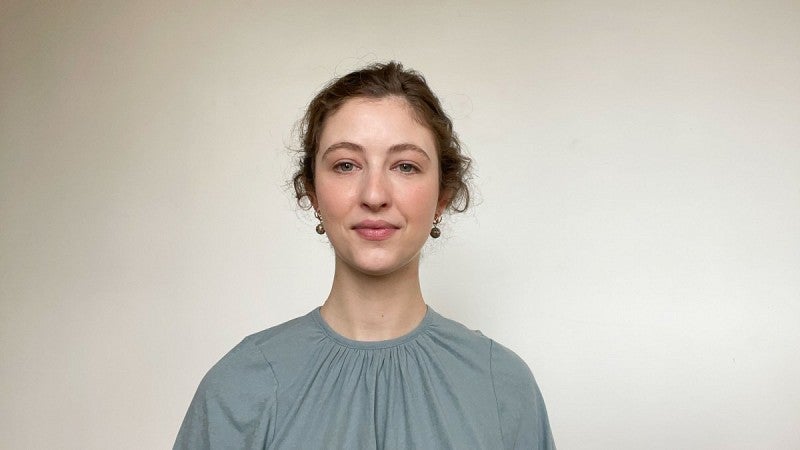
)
(415, 167)
(337, 165)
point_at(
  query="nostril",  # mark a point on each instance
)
(375, 193)
(375, 205)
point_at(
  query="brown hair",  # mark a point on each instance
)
(378, 81)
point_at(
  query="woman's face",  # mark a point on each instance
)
(376, 184)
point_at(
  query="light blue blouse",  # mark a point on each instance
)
(300, 385)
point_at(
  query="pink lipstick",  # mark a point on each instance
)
(375, 230)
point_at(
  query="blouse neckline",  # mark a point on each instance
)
(370, 345)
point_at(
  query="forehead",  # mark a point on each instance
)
(377, 123)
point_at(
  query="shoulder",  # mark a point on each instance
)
(458, 336)
(519, 402)
(520, 405)
(506, 367)
(252, 360)
(251, 356)
(503, 361)
(509, 367)
(284, 338)
(236, 387)
(500, 359)
(242, 367)
(235, 403)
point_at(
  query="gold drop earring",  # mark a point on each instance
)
(320, 227)
(435, 231)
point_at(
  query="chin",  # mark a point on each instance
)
(376, 268)
(379, 270)
(376, 273)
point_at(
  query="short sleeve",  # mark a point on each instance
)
(520, 406)
(234, 406)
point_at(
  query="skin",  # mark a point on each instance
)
(377, 191)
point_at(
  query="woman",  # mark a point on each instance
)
(373, 367)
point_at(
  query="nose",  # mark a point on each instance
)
(375, 190)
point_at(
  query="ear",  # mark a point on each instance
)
(312, 197)
(445, 197)
(314, 204)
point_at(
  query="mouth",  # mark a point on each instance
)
(375, 230)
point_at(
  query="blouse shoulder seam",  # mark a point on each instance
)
(269, 364)
(275, 385)
(494, 387)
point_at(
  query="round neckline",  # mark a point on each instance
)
(367, 345)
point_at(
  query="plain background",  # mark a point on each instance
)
(636, 237)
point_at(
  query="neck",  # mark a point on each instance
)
(373, 308)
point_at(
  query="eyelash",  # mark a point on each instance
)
(413, 168)
(339, 167)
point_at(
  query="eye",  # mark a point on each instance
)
(344, 166)
(406, 168)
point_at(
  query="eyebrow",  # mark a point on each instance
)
(393, 149)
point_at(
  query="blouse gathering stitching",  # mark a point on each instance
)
(376, 345)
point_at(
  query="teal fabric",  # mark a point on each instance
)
(300, 385)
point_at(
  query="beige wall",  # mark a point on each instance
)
(637, 239)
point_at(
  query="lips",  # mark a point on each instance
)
(375, 230)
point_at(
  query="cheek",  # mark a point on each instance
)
(423, 199)
(332, 197)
